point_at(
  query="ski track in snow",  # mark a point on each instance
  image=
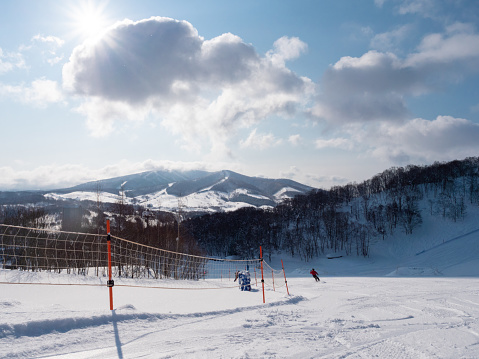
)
(346, 317)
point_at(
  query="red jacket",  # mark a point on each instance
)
(313, 273)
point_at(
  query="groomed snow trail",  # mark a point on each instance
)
(340, 317)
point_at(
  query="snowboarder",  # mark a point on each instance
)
(314, 274)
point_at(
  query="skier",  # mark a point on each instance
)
(314, 274)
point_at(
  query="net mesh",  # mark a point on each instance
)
(31, 249)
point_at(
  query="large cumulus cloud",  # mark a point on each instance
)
(420, 140)
(376, 85)
(201, 89)
(134, 61)
(368, 88)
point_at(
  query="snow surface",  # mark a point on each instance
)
(416, 313)
(413, 297)
(282, 193)
(198, 201)
(84, 196)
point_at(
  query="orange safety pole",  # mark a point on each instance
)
(262, 278)
(285, 277)
(110, 282)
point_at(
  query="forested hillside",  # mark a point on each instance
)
(345, 218)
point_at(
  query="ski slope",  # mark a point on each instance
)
(340, 317)
(375, 311)
(413, 297)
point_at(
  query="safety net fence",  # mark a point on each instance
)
(64, 255)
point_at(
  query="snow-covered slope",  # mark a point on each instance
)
(384, 306)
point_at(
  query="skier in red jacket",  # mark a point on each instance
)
(314, 274)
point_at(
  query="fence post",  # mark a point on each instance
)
(262, 277)
(110, 282)
(285, 277)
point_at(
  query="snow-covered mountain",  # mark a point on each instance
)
(192, 190)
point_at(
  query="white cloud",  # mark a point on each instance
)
(310, 179)
(286, 48)
(368, 88)
(10, 61)
(293, 173)
(339, 142)
(102, 114)
(203, 90)
(390, 41)
(42, 92)
(327, 181)
(423, 7)
(419, 140)
(460, 28)
(441, 12)
(54, 60)
(374, 86)
(135, 61)
(447, 49)
(53, 40)
(260, 141)
(39, 93)
(42, 177)
(44, 47)
(295, 139)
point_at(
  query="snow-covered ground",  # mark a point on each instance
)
(374, 312)
(414, 297)
(340, 317)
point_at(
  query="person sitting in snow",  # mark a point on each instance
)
(314, 274)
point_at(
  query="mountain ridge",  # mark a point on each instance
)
(201, 190)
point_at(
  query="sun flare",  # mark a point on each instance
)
(89, 19)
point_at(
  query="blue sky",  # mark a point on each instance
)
(321, 92)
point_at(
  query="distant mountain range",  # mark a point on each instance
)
(198, 191)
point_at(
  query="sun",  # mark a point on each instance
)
(90, 22)
(88, 19)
